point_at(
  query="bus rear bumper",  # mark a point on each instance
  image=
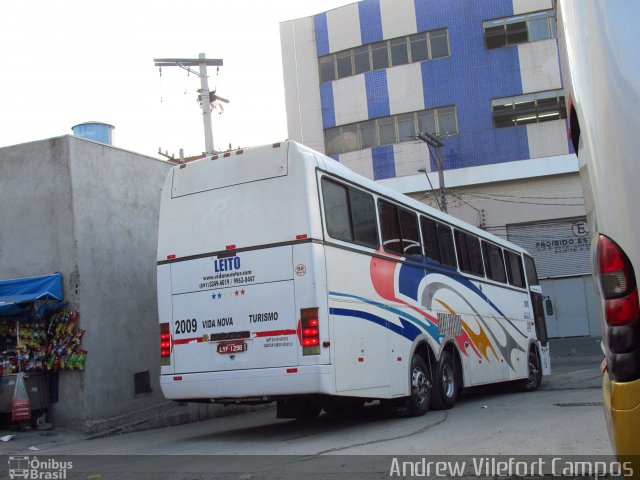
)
(622, 413)
(249, 384)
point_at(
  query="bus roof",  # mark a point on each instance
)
(333, 167)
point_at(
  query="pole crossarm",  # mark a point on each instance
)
(188, 62)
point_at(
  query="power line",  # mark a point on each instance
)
(526, 203)
(520, 196)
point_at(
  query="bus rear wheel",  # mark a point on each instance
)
(447, 384)
(419, 400)
(533, 380)
(300, 408)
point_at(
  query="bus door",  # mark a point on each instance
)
(535, 295)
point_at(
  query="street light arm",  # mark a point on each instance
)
(430, 139)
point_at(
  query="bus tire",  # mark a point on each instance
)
(308, 412)
(344, 407)
(303, 408)
(419, 400)
(532, 382)
(446, 383)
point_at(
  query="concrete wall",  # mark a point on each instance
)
(37, 237)
(90, 211)
(116, 197)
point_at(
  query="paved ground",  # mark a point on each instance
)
(564, 416)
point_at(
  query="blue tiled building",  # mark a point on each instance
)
(363, 80)
(359, 71)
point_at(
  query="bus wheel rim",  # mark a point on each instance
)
(419, 385)
(448, 381)
(533, 370)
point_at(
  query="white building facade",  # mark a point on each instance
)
(363, 80)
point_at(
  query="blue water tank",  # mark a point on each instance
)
(96, 131)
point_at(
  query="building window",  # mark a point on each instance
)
(529, 27)
(391, 130)
(529, 108)
(388, 53)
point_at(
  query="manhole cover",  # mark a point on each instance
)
(579, 404)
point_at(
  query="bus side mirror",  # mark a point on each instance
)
(548, 306)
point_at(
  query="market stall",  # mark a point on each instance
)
(39, 336)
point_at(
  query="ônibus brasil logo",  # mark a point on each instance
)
(35, 469)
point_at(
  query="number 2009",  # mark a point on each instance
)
(186, 326)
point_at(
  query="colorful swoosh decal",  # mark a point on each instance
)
(406, 285)
(430, 327)
(407, 330)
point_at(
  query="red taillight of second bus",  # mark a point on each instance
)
(618, 284)
(310, 331)
(165, 344)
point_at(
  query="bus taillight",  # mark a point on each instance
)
(165, 344)
(618, 284)
(310, 337)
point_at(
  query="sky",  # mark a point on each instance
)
(72, 61)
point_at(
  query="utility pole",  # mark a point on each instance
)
(203, 63)
(435, 142)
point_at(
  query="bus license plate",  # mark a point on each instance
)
(232, 347)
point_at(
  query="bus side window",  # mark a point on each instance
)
(336, 210)
(350, 214)
(515, 272)
(469, 254)
(494, 262)
(363, 216)
(530, 270)
(411, 245)
(447, 250)
(430, 237)
(390, 227)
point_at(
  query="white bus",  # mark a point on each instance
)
(284, 276)
(600, 63)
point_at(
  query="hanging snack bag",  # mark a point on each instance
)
(20, 408)
(82, 359)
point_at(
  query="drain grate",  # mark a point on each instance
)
(579, 404)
